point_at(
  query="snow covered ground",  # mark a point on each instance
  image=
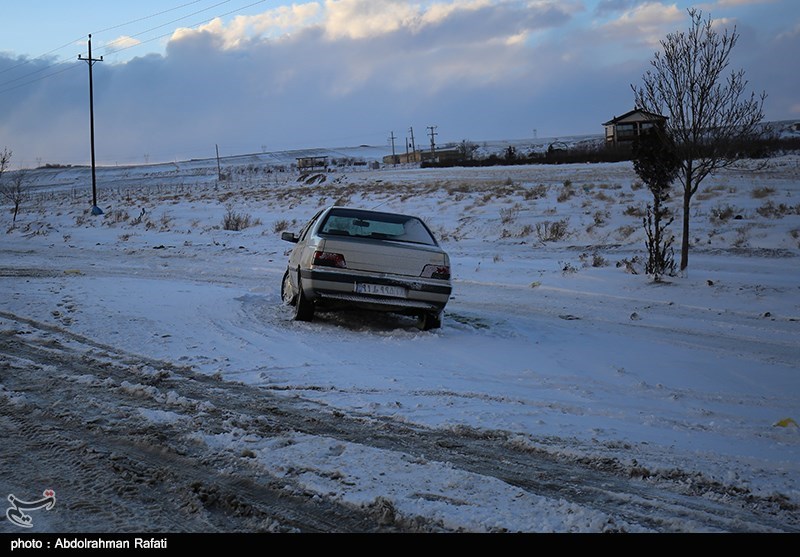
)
(558, 346)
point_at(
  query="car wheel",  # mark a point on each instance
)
(287, 292)
(430, 320)
(303, 307)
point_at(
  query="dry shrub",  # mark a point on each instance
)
(552, 231)
(280, 225)
(742, 237)
(624, 232)
(771, 210)
(593, 260)
(711, 192)
(509, 214)
(116, 216)
(634, 211)
(237, 221)
(762, 192)
(535, 192)
(721, 213)
(603, 196)
(567, 191)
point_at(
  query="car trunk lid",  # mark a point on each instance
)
(381, 256)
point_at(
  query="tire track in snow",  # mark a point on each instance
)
(87, 405)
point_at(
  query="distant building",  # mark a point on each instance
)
(439, 155)
(312, 163)
(623, 129)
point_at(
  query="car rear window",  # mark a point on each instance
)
(382, 226)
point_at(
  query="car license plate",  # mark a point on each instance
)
(380, 290)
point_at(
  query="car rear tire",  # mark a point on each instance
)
(430, 320)
(303, 307)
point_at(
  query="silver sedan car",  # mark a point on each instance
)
(356, 258)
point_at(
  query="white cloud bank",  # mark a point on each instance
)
(345, 72)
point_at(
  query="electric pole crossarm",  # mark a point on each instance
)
(432, 132)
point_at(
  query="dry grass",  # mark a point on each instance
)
(509, 214)
(593, 260)
(634, 211)
(536, 192)
(280, 225)
(116, 216)
(552, 231)
(625, 232)
(711, 192)
(777, 211)
(723, 213)
(567, 191)
(762, 192)
(237, 221)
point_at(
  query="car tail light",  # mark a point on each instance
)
(436, 271)
(329, 259)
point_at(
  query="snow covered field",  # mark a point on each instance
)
(554, 343)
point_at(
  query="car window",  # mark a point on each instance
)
(307, 227)
(383, 226)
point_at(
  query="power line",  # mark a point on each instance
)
(165, 25)
(71, 43)
(62, 70)
(29, 60)
(4, 85)
(192, 25)
(146, 17)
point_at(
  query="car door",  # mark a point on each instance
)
(296, 257)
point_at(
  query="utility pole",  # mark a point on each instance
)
(413, 145)
(219, 167)
(433, 133)
(95, 209)
(394, 157)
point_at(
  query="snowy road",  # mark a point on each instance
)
(117, 435)
(150, 376)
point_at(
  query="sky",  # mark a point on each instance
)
(548, 348)
(180, 79)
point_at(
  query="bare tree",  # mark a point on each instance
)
(6, 191)
(466, 149)
(5, 158)
(14, 192)
(709, 115)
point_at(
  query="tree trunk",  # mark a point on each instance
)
(687, 198)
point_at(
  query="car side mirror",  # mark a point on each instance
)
(289, 237)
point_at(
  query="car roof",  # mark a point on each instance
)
(368, 211)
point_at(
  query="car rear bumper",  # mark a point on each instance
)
(340, 286)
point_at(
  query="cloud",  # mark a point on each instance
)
(728, 3)
(348, 72)
(645, 23)
(360, 19)
(272, 24)
(121, 43)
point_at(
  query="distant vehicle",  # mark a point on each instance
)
(355, 258)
